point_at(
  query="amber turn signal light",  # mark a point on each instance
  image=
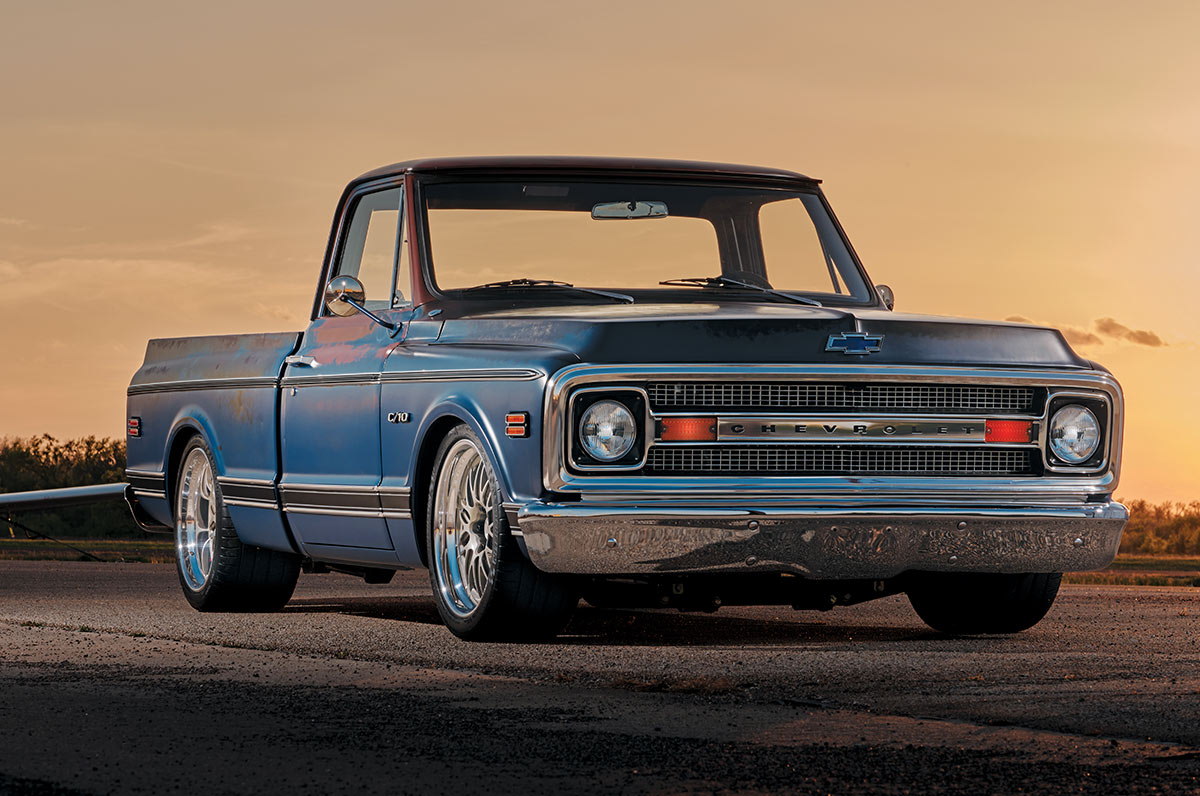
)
(689, 429)
(1008, 431)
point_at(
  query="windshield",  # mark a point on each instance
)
(632, 236)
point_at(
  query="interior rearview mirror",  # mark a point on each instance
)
(605, 210)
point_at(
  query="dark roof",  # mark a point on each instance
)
(580, 164)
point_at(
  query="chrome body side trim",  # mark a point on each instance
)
(337, 500)
(147, 483)
(499, 374)
(558, 478)
(405, 376)
(344, 512)
(821, 543)
(202, 384)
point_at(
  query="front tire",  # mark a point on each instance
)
(218, 572)
(965, 604)
(484, 585)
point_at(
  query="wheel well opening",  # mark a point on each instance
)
(174, 460)
(422, 473)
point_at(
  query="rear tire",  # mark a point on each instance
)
(484, 585)
(972, 604)
(218, 572)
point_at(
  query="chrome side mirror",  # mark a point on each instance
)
(341, 291)
(886, 295)
(344, 296)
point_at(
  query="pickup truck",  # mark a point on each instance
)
(642, 383)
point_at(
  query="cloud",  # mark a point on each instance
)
(1018, 319)
(1080, 337)
(8, 270)
(8, 221)
(1119, 331)
(216, 234)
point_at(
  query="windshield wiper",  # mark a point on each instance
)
(726, 281)
(526, 282)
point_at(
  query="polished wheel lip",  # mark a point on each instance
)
(464, 528)
(196, 519)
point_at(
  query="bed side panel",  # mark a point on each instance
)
(227, 389)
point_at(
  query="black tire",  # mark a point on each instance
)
(241, 577)
(973, 604)
(519, 602)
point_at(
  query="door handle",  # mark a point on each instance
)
(301, 361)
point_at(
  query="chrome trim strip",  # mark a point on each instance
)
(859, 429)
(348, 489)
(251, 503)
(241, 383)
(407, 376)
(223, 480)
(499, 374)
(331, 380)
(145, 473)
(557, 478)
(150, 493)
(343, 512)
(341, 500)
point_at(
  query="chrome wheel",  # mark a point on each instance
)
(464, 528)
(196, 520)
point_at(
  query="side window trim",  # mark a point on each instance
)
(346, 227)
(399, 251)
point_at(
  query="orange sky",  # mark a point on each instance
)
(172, 170)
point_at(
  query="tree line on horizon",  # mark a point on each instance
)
(44, 462)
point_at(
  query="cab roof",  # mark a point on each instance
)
(575, 164)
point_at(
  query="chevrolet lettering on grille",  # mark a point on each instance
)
(855, 343)
(849, 430)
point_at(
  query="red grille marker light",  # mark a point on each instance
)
(689, 429)
(134, 426)
(1008, 431)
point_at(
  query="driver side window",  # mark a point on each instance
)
(374, 238)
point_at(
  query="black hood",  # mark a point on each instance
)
(767, 333)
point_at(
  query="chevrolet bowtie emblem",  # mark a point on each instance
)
(855, 343)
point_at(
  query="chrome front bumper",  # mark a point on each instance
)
(614, 539)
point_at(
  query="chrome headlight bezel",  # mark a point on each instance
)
(633, 399)
(1097, 459)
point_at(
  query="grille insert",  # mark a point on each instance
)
(825, 396)
(837, 460)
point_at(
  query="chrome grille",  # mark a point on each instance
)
(824, 396)
(837, 460)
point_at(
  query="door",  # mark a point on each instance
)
(330, 415)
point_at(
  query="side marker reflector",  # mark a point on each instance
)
(516, 424)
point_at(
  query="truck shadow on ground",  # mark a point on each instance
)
(616, 627)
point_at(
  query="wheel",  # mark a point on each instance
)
(971, 604)
(484, 585)
(217, 571)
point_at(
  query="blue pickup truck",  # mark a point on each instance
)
(642, 383)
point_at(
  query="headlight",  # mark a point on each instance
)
(1074, 434)
(607, 431)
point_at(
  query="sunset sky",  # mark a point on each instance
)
(171, 169)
